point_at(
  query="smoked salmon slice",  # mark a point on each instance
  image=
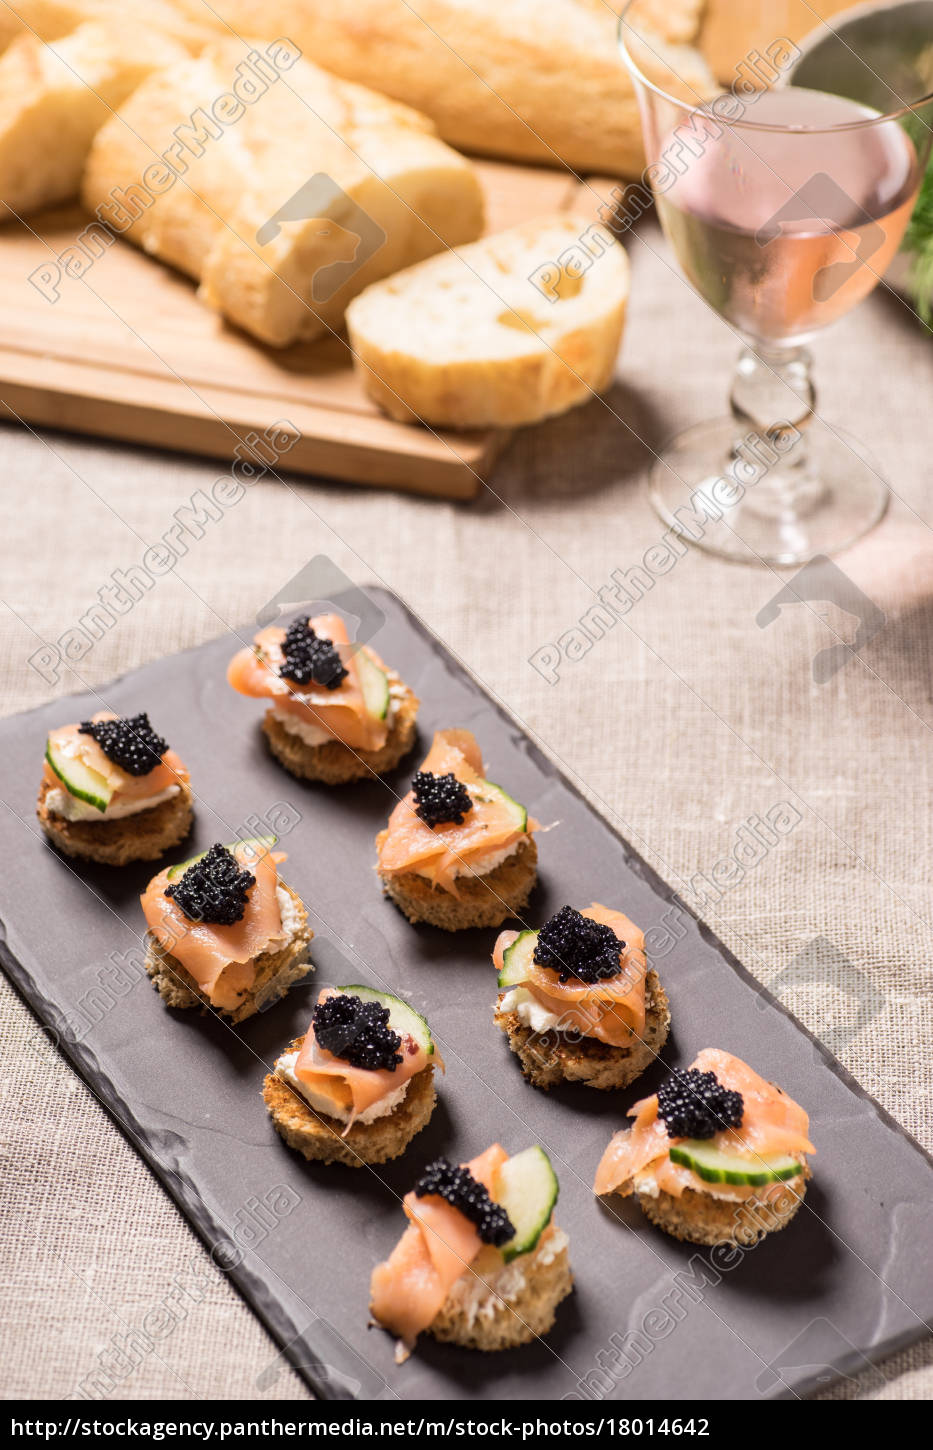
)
(493, 825)
(356, 1088)
(772, 1123)
(72, 745)
(341, 712)
(408, 1290)
(611, 1010)
(220, 958)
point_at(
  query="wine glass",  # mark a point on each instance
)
(784, 205)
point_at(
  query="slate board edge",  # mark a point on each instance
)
(252, 1287)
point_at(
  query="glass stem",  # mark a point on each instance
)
(772, 402)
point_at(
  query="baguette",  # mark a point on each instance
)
(529, 80)
(316, 189)
(504, 332)
(54, 98)
(733, 30)
(51, 19)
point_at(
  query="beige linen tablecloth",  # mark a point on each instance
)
(682, 723)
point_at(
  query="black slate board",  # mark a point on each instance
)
(850, 1279)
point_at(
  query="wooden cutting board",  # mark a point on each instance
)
(128, 352)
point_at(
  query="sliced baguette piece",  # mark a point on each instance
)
(506, 331)
(318, 188)
(55, 97)
(529, 80)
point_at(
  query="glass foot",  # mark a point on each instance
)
(743, 497)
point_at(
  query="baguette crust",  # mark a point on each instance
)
(143, 837)
(321, 1138)
(51, 19)
(275, 972)
(519, 1320)
(553, 1057)
(336, 764)
(494, 74)
(483, 901)
(699, 1218)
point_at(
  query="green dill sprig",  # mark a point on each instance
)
(918, 242)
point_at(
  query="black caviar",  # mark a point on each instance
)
(694, 1104)
(213, 889)
(309, 658)
(129, 742)
(574, 946)
(440, 799)
(357, 1031)
(461, 1190)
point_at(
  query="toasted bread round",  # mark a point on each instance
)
(551, 1057)
(482, 901)
(512, 1318)
(702, 1219)
(335, 763)
(322, 1138)
(143, 837)
(275, 972)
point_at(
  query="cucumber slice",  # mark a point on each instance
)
(78, 779)
(518, 814)
(517, 959)
(374, 683)
(402, 1019)
(714, 1166)
(259, 844)
(527, 1189)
